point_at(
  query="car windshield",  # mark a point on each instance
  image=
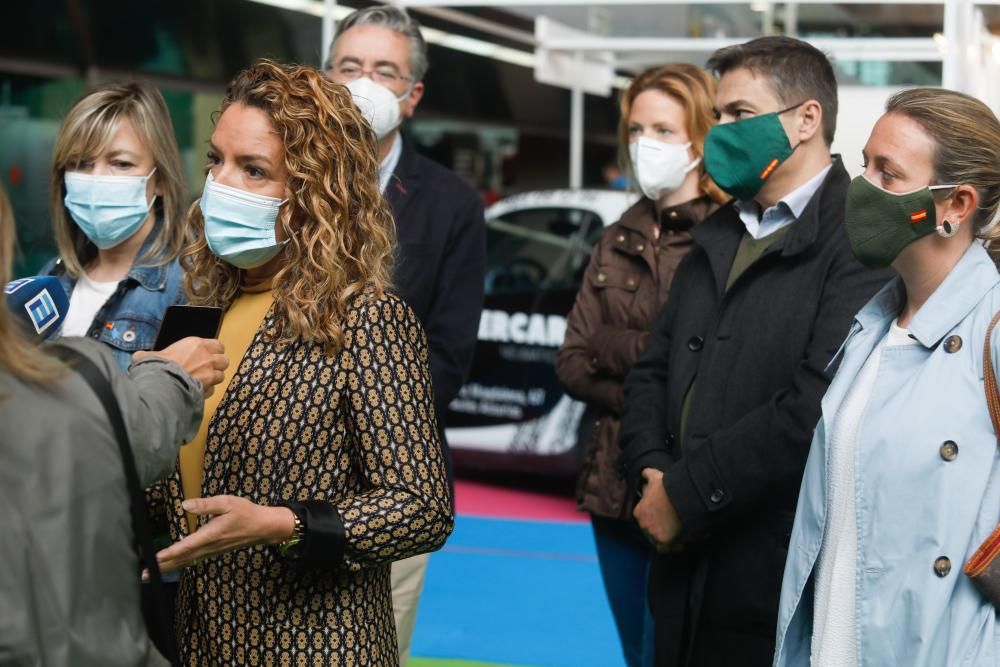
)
(539, 248)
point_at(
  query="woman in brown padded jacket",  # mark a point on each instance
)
(665, 115)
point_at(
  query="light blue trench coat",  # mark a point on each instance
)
(916, 503)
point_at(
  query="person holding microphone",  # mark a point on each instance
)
(70, 576)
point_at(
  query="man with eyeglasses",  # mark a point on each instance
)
(380, 55)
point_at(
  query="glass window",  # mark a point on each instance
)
(538, 249)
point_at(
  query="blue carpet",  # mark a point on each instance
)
(517, 592)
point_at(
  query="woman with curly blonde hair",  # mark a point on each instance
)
(320, 462)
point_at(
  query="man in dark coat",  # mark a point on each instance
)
(720, 409)
(380, 55)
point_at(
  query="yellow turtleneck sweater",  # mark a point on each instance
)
(239, 327)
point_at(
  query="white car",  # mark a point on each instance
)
(512, 415)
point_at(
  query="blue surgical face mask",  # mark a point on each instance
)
(107, 209)
(239, 225)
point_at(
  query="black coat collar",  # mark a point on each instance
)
(720, 234)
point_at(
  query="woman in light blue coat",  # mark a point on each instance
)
(902, 483)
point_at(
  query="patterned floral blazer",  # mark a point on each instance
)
(356, 431)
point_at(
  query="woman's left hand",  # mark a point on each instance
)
(234, 523)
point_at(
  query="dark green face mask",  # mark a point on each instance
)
(741, 156)
(881, 223)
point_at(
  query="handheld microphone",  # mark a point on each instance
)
(39, 302)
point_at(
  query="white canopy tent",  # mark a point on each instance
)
(576, 45)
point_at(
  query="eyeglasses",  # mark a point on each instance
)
(386, 76)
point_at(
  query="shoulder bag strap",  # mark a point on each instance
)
(990, 378)
(101, 386)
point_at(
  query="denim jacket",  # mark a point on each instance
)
(927, 484)
(131, 317)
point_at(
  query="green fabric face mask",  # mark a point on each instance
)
(881, 223)
(741, 156)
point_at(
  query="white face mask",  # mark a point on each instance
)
(660, 168)
(377, 104)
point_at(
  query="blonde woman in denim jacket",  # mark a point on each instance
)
(118, 216)
(902, 485)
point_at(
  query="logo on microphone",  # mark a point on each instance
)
(15, 285)
(42, 311)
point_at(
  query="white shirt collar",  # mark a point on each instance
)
(388, 165)
(782, 214)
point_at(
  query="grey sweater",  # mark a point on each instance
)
(69, 592)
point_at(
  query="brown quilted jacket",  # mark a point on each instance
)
(626, 284)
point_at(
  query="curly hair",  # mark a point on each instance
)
(691, 87)
(342, 246)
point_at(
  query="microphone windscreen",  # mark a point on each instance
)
(40, 302)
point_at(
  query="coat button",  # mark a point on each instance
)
(696, 343)
(942, 567)
(673, 215)
(640, 247)
(621, 238)
(717, 496)
(949, 450)
(128, 336)
(601, 277)
(630, 282)
(953, 344)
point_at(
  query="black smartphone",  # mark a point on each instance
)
(183, 321)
